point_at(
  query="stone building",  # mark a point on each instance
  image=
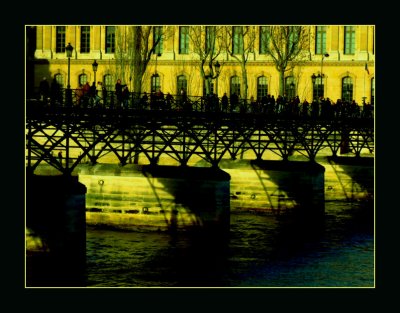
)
(337, 62)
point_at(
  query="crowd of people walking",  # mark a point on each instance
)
(97, 96)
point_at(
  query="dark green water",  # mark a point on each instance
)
(336, 250)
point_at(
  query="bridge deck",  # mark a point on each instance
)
(64, 137)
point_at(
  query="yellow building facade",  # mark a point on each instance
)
(344, 55)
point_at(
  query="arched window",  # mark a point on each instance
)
(82, 79)
(318, 86)
(262, 87)
(235, 85)
(347, 89)
(155, 83)
(108, 82)
(60, 80)
(290, 87)
(181, 82)
(373, 91)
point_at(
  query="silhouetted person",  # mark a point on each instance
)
(118, 92)
(144, 100)
(168, 100)
(125, 97)
(92, 94)
(104, 94)
(224, 102)
(60, 157)
(55, 92)
(234, 101)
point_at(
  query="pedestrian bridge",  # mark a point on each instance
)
(64, 137)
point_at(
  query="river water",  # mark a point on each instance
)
(261, 250)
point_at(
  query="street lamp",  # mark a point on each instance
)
(94, 66)
(69, 50)
(157, 55)
(314, 79)
(155, 76)
(217, 70)
(325, 55)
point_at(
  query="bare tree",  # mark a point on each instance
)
(134, 47)
(286, 45)
(207, 44)
(239, 43)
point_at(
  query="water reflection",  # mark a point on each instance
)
(260, 251)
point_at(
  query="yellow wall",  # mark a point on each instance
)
(171, 64)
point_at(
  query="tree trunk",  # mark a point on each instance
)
(208, 83)
(281, 82)
(244, 82)
(137, 83)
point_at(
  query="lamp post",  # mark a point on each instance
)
(94, 67)
(325, 55)
(68, 94)
(155, 75)
(314, 78)
(217, 70)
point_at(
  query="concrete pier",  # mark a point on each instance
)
(276, 186)
(56, 231)
(161, 198)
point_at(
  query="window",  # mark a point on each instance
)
(60, 39)
(82, 79)
(349, 39)
(210, 39)
(60, 80)
(183, 39)
(318, 88)
(155, 83)
(108, 82)
(320, 39)
(158, 39)
(85, 39)
(264, 39)
(347, 89)
(235, 85)
(290, 88)
(372, 91)
(110, 39)
(262, 87)
(181, 83)
(237, 39)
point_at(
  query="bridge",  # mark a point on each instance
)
(64, 136)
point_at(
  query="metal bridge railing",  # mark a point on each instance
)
(132, 101)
